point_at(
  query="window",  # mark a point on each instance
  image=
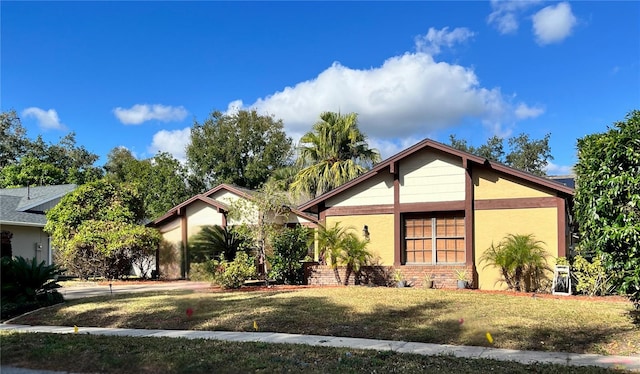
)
(434, 238)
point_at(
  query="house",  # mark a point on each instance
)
(210, 208)
(22, 219)
(434, 209)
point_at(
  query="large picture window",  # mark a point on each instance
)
(434, 238)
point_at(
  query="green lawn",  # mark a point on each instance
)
(410, 314)
(107, 354)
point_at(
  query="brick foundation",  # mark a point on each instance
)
(444, 276)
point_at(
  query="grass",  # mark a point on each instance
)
(410, 314)
(106, 354)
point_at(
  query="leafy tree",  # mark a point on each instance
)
(333, 153)
(260, 217)
(38, 163)
(242, 148)
(13, 140)
(290, 245)
(524, 154)
(521, 260)
(95, 228)
(161, 179)
(607, 201)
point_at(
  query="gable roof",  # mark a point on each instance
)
(25, 206)
(245, 193)
(389, 164)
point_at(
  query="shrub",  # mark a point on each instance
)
(213, 241)
(521, 260)
(203, 271)
(234, 274)
(28, 285)
(290, 245)
(591, 277)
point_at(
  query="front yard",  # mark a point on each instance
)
(579, 325)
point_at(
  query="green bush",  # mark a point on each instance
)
(521, 260)
(290, 245)
(234, 274)
(28, 285)
(203, 271)
(591, 277)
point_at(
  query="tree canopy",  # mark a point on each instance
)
(525, 154)
(607, 201)
(161, 180)
(96, 229)
(334, 152)
(242, 149)
(25, 162)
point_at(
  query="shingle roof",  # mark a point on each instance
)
(18, 205)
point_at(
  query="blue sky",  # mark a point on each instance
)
(137, 74)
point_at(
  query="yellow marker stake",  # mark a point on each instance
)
(75, 329)
(255, 325)
(489, 338)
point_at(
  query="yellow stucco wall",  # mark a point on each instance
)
(494, 225)
(492, 185)
(380, 233)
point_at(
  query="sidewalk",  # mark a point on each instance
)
(524, 357)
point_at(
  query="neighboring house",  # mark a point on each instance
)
(22, 219)
(210, 208)
(434, 209)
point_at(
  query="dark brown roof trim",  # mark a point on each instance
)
(177, 210)
(428, 143)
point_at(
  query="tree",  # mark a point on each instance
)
(524, 154)
(13, 140)
(215, 241)
(521, 260)
(607, 201)
(38, 163)
(333, 153)
(96, 229)
(242, 149)
(354, 256)
(161, 179)
(260, 217)
(330, 245)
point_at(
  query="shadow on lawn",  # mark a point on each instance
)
(430, 321)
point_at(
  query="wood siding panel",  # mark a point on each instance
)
(431, 177)
(375, 191)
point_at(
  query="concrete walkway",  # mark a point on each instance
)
(78, 292)
(525, 357)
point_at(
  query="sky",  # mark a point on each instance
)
(140, 74)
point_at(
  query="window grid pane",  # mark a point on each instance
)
(448, 244)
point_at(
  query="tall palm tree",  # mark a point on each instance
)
(333, 153)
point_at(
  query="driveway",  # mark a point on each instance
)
(77, 292)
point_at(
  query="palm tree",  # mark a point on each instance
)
(213, 241)
(330, 245)
(333, 153)
(354, 255)
(521, 259)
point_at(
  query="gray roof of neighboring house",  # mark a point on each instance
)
(25, 206)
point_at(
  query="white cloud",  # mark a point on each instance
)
(409, 95)
(523, 111)
(171, 141)
(553, 24)
(47, 119)
(505, 14)
(140, 113)
(553, 169)
(435, 39)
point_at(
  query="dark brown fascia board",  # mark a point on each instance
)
(546, 182)
(304, 215)
(388, 163)
(177, 210)
(230, 188)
